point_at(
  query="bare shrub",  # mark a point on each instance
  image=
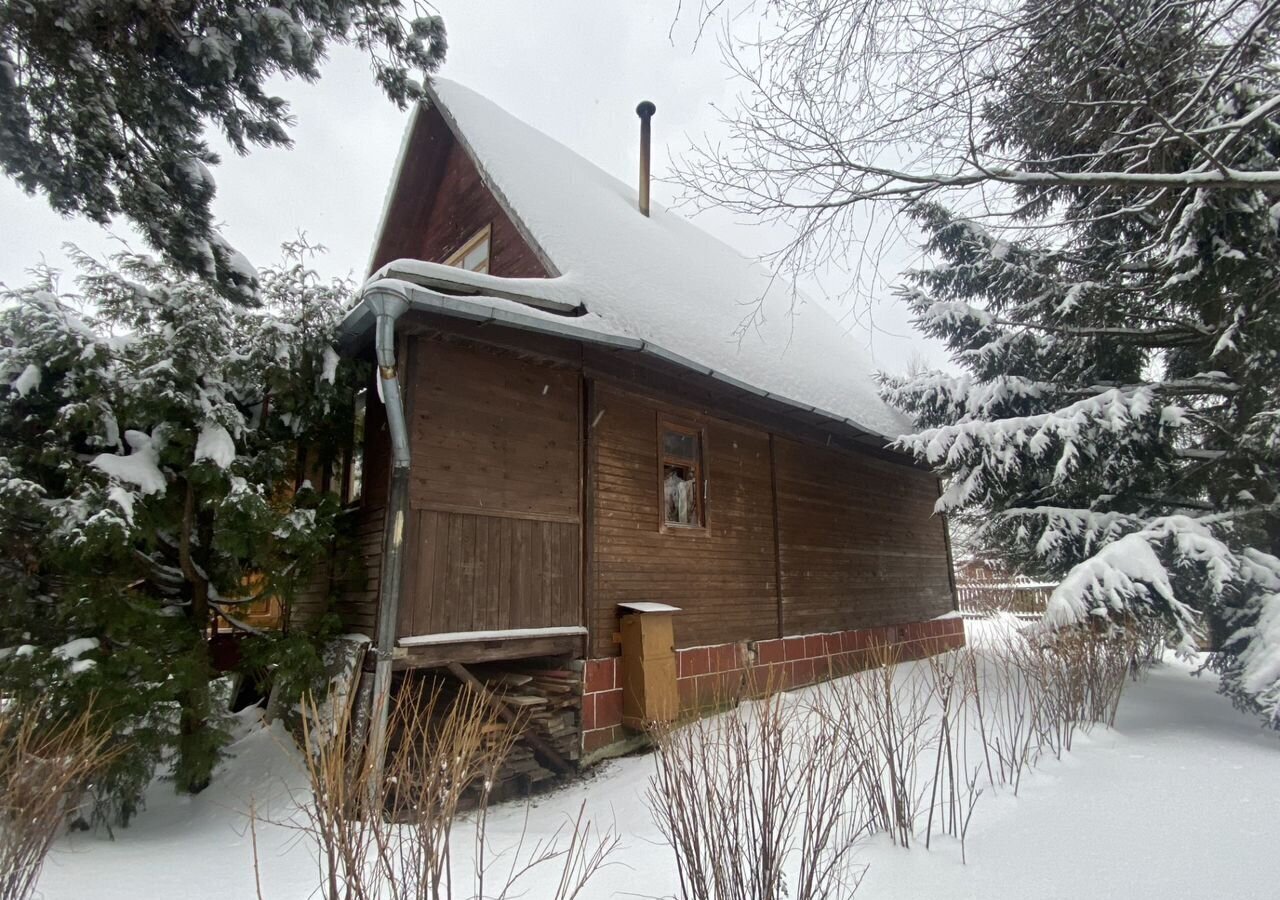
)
(909, 727)
(777, 787)
(337, 813)
(44, 765)
(952, 679)
(396, 837)
(446, 751)
(1151, 636)
(882, 720)
(1044, 686)
(745, 797)
(1010, 703)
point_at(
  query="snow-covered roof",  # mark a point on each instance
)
(659, 282)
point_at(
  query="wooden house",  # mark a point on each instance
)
(590, 406)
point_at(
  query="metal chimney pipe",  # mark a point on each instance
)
(645, 111)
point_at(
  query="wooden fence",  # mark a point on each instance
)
(1020, 596)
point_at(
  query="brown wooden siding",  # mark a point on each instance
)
(482, 573)
(463, 206)
(358, 605)
(358, 601)
(492, 434)
(858, 542)
(439, 201)
(723, 576)
(494, 540)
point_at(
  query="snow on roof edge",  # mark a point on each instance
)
(526, 233)
(588, 328)
(394, 182)
(660, 280)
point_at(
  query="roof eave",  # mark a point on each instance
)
(354, 328)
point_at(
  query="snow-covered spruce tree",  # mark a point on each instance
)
(151, 477)
(1099, 187)
(103, 103)
(1118, 425)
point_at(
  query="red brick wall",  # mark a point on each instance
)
(710, 676)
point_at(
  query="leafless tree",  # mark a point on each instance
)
(851, 110)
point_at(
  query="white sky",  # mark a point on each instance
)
(573, 69)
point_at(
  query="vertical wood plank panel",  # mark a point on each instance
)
(858, 541)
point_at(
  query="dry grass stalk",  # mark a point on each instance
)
(44, 764)
(395, 839)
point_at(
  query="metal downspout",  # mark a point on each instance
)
(388, 304)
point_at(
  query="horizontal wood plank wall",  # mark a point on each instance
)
(722, 577)
(358, 604)
(358, 601)
(494, 537)
(859, 545)
(492, 434)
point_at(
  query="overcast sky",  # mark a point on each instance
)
(573, 69)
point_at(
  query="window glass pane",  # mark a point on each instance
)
(477, 258)
(679, 445)
(680, 495)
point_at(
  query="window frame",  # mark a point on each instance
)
(701, 497)
(484, 235)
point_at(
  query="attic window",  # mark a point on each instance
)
(474, 254)
(682, 486)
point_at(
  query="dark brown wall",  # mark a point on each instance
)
(484, 573)
(494, 538)
(439, 202)
(723, 576)
(492, 434)
(463, 205)
(858, 541)
(858, 544)
(358, 600)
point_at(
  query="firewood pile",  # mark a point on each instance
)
(545, 697)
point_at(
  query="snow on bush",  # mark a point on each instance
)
(152, 437)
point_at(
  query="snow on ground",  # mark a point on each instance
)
(1178, 801)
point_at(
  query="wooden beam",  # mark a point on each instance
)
(541, 748)
(436, 655)
(777, 536)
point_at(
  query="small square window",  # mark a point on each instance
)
(474, 254)
(682, 491)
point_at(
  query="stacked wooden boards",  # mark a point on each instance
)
(542, 698)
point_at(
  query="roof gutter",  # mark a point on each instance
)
(423, 298)
(387, 302)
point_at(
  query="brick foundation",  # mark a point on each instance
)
(711, 676)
